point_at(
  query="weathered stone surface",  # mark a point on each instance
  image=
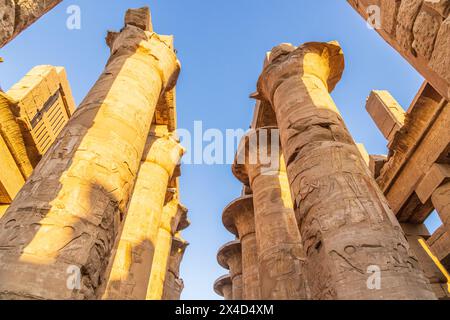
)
(280, 252)
(386, 112)
(161, 258)
(417, 146)
(7, 20)
(414, 234)
(441, 202)
(425, 31)
(389, 12)
(407, 14)
(440, 59)
(132, 259)
(174, 285)
(434, 178)
(230, 258)
(224, 287)
(442, 7)
(69, 211)
(376, 164)
(16, 16)
(409, 26)
(239, 218)
(44, 105)
(140, 18)
(345, 222)
(440, 244)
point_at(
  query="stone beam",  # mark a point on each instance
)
(239, 218)
(343, 218)
(419, 30)
(70, 212)
(423, 141)
(386, 112)
(17, 15)
(230, 258)
(224, 287)
(260, 164)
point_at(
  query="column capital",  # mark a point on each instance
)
(230, 258)
(254, 154)
(223, 286)
(137, 35)
(239, 217)
(165, 151)
(322, 60)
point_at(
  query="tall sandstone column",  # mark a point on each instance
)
(132, 262)
(67, 215)
(239, 219)
(348, 230)
(17, 15)
(280, 253)
(230, 257)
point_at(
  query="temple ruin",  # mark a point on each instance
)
(90, 203)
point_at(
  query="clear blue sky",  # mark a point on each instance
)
(221, 45)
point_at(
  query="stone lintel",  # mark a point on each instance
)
(435, 177)
(386, 112)
(230, 251)
(422, 141)
(409, 29)
(221, 283)
(239, 217)
(140, 18)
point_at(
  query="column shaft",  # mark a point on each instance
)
(250, 271)
(278, 238)
(160, 265)
(68, 213)
(348, 230)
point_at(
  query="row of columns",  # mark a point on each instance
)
(95, 220)
(344, 229)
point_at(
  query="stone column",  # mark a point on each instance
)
(173, 286)
(416, 235)
(132, 262)
(20, 14)
(171, 212)
(239, 219)
(441, 202)
(435, 186)
(224, 288)
(68, 214)
(280, 254)
(230, 258)
(349, 233)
